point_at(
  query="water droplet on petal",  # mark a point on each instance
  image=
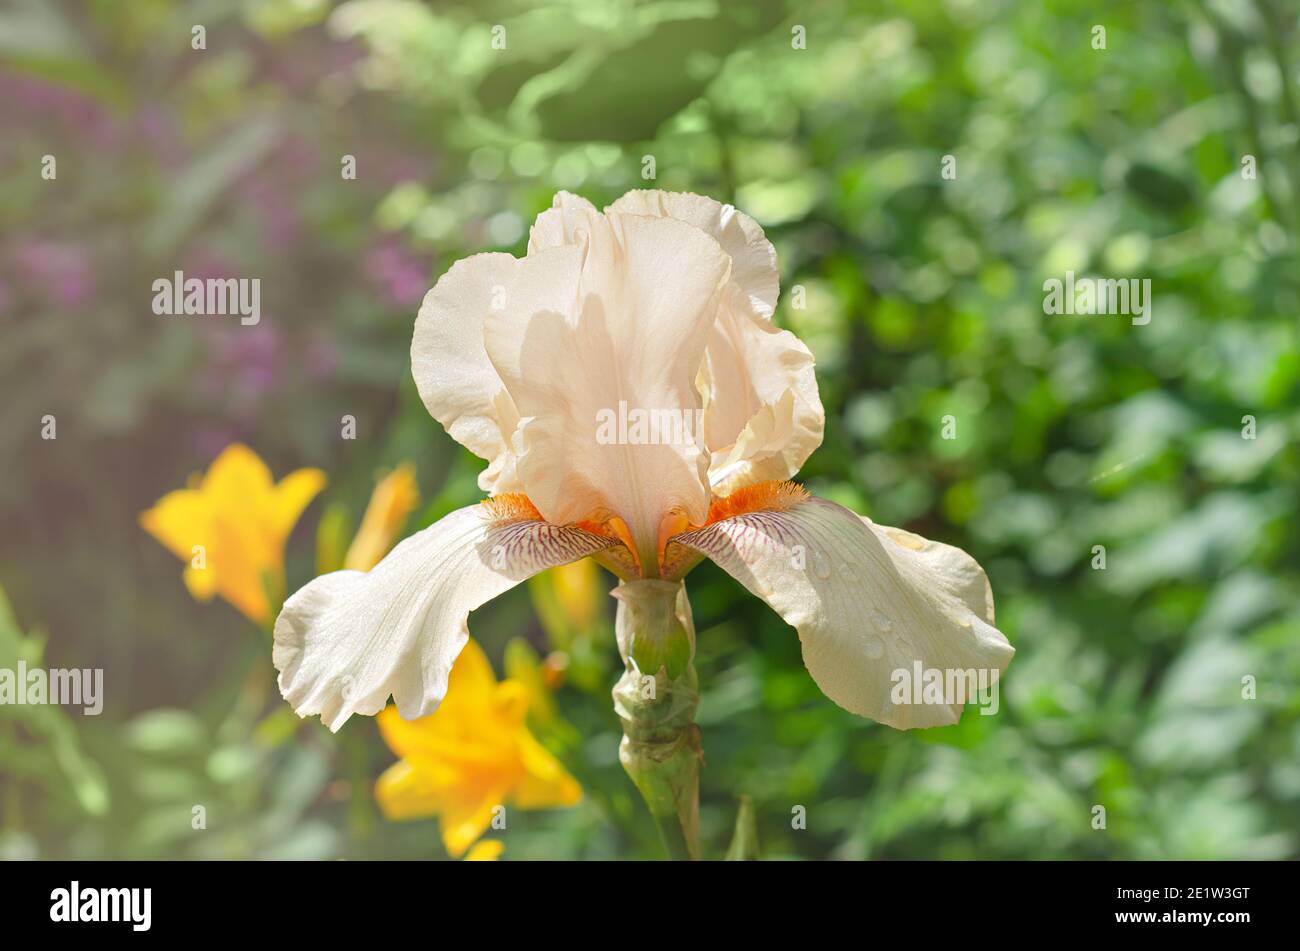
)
(872, 645)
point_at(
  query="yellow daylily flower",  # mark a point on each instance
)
(538, 678)
(577, 588)
(569, 600)
(231, 525)
(394, 499)
(489, 850)
(473, 755)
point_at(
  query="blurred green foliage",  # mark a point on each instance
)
(923, 300)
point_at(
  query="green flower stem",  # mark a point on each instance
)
(656, 698)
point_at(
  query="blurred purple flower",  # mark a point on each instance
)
(281, 224)
(208, 439)
(300, 68)
(57, 271)
(245, 364)
(391, 168)
(37, 99)
(157, 130)
(205, 264)
(296, 156)
(322, 359)
(399, 273)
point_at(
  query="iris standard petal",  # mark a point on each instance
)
(763, 416)
(457, 382)
(753, 259)
(565, 222)
(597, 335)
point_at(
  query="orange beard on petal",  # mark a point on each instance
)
(517, 507)
(761, 497)
(512, 507)
(774, 496)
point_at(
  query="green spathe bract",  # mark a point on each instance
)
(656, 698)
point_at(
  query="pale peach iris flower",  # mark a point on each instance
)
(663, 303)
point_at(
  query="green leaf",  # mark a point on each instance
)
(744, 840)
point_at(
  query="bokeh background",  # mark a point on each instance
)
(924, 299)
